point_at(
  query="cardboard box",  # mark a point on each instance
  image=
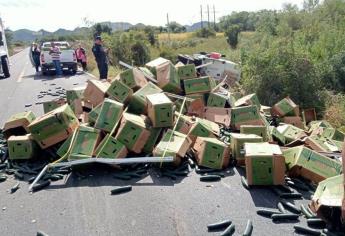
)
(309, 115)
(95, 91)
(290, 132)
(152, 65)
(286, 107)
(168, 78)
(217, 100)
(217, 115)
(160, 110)
(133, 78)
(184, 124)
(133, 132)
(302, 161)
(18, 124)
(237, 145)
(211, 153)
(334, 134)
(294, 120)
(52, 105)
(152, 140)
(196, 107)
(199, 85)
(246, 115)
(276, 135)
(85, 142)
(266, 110)
(112, 148)
(321, 144)
(138, 102)
(21, 147)
(178, 146)
(203, 128)
(329, 198)
(119, 91)
(319, 124)
(265, 164)
(64, 147)
(109, 115)
(187, 71)
(251, 99)
(54, 127)
(259, 130)
(93, 114)
(74, 99)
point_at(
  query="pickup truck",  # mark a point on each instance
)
(68, 57)
(4, 64)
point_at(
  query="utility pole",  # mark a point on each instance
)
(214, 17)
(201, 16)
(168, 27)
(208, 15)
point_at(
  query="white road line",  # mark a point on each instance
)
(22, 73)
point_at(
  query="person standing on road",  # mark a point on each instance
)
(81, 57)
(55, 54)
(101, 58)
(36, 54)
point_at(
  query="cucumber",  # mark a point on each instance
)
(63, 171)
(291, 207)
(291, 195)
(266, 212)
(316, 222)
(249, 229)
(42, 185)
(133, 175)
(287, 216)
(177, 173)
(215, 173)
(305, 230)
(305, 212)
(285, 188)
(297, 185)
(121, 190)
(18, 175)
(171, 176)
(230, 230)
(54, 177)
(3, 166)
(311, 212)
(9, 171)
(281, 208)
(41, 233)
(219, 225)
(3, 178)
(327, 232)
(244, 183)
(15, 187)
(205, 171)
(210, 178)
(31, 179)
(122, 177)
(191, 163)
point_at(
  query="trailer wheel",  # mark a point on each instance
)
(5, 66)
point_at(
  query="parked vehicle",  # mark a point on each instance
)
(4, 65)
(68, 57)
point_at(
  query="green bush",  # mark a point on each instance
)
(205, 33)
(232, 35)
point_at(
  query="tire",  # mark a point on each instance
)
(5, 66)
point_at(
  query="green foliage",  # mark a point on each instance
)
(168, 53)
(232, 35)
(175, 27)
(130, 47)
(151, 35)
(99, 28)
(205, 33)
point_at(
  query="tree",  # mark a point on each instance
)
(99, 28)
(309, 5)
(9, 37)
(205, 33)
(175, 27)
(232, 35)
(151, 35)
(140, 53)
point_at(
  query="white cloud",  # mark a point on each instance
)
(54, 14)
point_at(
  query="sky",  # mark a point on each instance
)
(69, 14)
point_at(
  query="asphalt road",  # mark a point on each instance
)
(155, 206)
